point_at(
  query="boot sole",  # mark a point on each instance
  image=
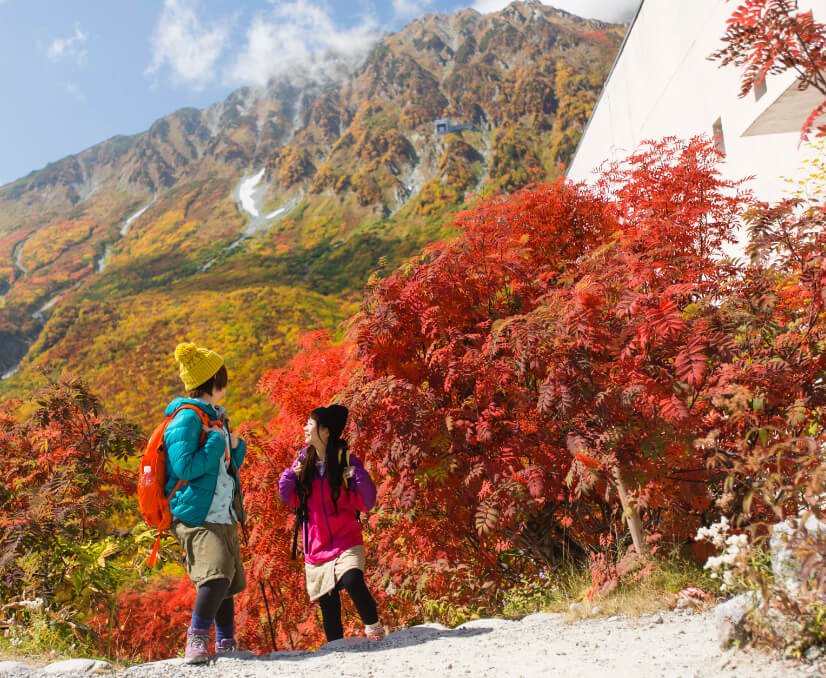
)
(199, 659)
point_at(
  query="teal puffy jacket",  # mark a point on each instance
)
(197, 466)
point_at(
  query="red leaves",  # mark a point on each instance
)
(666, 320)
(554, 394)
(691, 362)
(61, 481)
(673, 410)
(150, 621)
(810, 121)
(771, 37)
(489, 380)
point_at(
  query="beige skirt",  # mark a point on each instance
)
(322, 578)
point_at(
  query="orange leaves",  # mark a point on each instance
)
(584, 459)
(587, 293)
(63, 486)
(49, 243)
(564, 331)
(316, 373)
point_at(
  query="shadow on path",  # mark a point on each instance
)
(415, 635)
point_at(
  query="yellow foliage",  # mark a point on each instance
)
(50, 242)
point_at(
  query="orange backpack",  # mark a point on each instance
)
(152, 500)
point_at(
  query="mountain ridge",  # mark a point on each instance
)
(352, 177)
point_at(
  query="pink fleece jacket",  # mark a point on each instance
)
(329, 532)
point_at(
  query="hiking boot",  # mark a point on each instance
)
(226, 645)
(197, 647)
(374, 631)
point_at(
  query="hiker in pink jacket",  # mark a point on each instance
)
(329, 487)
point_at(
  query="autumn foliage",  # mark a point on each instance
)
(557, 354)
(768, 37)
(580, 374)
(63, 492)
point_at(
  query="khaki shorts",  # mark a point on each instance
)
(212, 552)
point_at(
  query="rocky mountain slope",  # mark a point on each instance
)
(242, 224)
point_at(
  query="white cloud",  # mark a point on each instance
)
(410, 8)
(187, 47)
(296, 34)
(605, 10)
(72, 47)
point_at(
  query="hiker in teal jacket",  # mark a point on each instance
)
(197, 466)
(204, 489)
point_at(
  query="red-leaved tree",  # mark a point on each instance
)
(562, 343)
(771, 37)
(318, 372)
(63, 491)
(577, 361)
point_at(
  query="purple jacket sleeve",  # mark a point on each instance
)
(366, 489)
(286, 487)
(288, 482)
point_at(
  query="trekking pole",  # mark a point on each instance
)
(263, 593)
(243, 522)
(295, 533)
(300, 518)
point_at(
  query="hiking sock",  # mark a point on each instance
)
(199, 624)
(222, 632)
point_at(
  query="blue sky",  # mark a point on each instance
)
(75, 73)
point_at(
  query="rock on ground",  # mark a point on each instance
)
(666, 645)
(730, 616)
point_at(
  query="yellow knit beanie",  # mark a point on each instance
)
(198, 365)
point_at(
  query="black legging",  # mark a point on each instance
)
(353, 582)
(211, 604)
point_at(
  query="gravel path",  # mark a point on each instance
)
(668, 645)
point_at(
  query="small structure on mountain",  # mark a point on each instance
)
(444, 126)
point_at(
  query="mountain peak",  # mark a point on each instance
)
(297, 190)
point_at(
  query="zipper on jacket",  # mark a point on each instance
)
(324, 508)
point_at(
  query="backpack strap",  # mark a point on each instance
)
(347, 480)
(154, 555)
(206, 421)
(341, 453)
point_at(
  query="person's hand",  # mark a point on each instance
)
(298, 464)
(348, 472)
(234, 439)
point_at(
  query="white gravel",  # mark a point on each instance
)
(668, 645)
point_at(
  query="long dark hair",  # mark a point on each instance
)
(335, 466)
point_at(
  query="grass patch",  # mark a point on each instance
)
(41, 641)
(564, 591)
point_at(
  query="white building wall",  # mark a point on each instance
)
(663, 84)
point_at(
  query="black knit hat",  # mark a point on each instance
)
(333, 418)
